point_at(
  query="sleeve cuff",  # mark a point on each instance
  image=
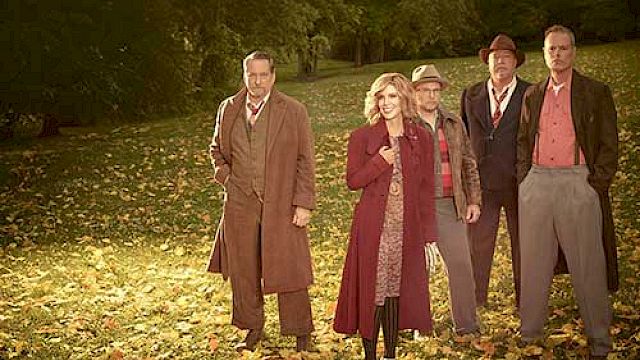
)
(307, 202)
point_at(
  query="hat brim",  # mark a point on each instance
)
(443, 82)
(484, 56)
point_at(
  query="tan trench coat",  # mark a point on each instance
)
(289, 182)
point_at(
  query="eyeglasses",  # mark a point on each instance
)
(429, 91)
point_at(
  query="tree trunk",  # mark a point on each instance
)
(50, 126)
(302, 67)
(377, 50)
(6, 125)
(385, 50)
(315, 60)
(358, 52)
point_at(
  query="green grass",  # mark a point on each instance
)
(105, 233)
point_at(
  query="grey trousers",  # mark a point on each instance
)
(558, 206)
(453, 245)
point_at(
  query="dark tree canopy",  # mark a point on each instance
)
(89, 60)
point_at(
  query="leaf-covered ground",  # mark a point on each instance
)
(105, 232)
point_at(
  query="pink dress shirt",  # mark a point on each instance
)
(556, 135)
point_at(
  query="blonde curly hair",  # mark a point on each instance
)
(405, 90)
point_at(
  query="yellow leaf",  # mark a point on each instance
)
(532, 350)
(46, 330)
(116, 354)
(213, 343)
(485, 346)
(179, 251)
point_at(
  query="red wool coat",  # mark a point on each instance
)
(367, 170)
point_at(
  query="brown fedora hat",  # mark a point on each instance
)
(502, 42)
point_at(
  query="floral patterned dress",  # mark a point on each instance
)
(390, 250)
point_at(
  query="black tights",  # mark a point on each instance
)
(386, 315)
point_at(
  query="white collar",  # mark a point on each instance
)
(263, 101)
(510, 87)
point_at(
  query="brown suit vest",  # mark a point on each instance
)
(248, 152)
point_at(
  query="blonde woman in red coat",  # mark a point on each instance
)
(384, 281)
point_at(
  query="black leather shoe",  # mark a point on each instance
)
(253, 337)
(302, 343)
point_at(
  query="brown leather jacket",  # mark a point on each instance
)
(464, 168)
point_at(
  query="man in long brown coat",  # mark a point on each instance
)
(567, 158)
(262, 153)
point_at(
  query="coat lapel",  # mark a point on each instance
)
(536, 100)
(379, 136)
(480, 105)
(235, 104)
(277, 111)
(578, 93)
(512, 106)
(410, 132)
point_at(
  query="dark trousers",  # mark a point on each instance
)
(246, 274)
(482, 236)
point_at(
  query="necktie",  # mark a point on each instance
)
(254, 112)
(497, 115)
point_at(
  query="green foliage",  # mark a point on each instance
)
(89, 58)
(526, 20)
(607, 20)
(104, 235)
(89, 61)
(424, 26)
(519, 19)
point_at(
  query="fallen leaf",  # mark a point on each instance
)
(179, 251)
(487, 347)
(213, 343)
(532, 350)
(116, 354)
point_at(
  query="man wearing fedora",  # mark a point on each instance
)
(567, 158)
(457, 191)
(491, 111)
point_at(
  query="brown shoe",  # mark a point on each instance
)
(253, 337)
(302, 343)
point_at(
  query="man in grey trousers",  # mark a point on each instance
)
(457, 193)
(567, 158)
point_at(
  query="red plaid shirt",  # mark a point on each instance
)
(445, 164)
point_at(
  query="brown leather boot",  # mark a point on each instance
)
(253, 337)
(302, 343)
